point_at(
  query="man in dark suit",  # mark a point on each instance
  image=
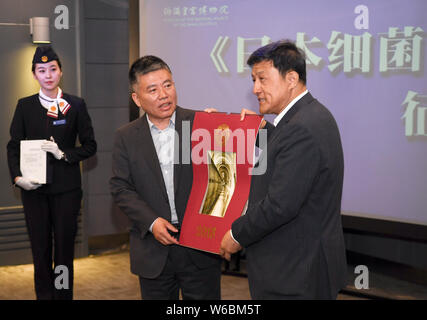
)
(152, 187)
(292, 228)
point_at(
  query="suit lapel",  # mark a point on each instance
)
(305, 100)
(177, 149)
(296, 107)
(150, 155)
(179, 118)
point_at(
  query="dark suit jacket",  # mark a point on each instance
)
(30, 122)
(139, 190)
(292, 230)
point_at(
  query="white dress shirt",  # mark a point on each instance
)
(164, 142)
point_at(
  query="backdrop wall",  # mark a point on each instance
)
(365, 63)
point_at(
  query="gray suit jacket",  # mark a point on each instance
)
(139, 190)
(292, 230)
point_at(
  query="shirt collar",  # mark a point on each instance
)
(288, 107)
(171, 122)
(47, 101)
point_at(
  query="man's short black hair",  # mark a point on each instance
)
(144, 65)
(285, 55)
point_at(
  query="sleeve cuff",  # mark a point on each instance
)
(151, 227)
(231, 234)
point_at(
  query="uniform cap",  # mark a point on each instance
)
(44, 54)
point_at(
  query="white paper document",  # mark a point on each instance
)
(33, 161)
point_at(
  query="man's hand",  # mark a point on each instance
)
(229, 246)
(26, 184)
(244, 112)
(161, 233)
(210, 110)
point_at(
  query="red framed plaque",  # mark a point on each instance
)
(222, 151)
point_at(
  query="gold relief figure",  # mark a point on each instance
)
(221, 183)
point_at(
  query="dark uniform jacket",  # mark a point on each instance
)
(30, 122)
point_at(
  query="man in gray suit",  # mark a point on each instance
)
(152, 188)
(292, 229)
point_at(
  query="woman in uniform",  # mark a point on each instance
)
(52, 208)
